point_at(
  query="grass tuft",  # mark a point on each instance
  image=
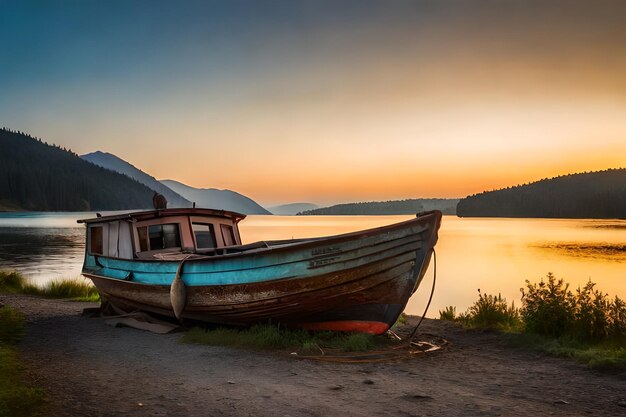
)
(601, 356)
(76, 289)
(488, 312)
(274, 337)
(12, 325)
(11, 281)
(357, 342)
(401, 321)
(16, 399)
(449, 313)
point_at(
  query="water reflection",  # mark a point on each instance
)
(42, 253)
(604, 251)
(495, 255)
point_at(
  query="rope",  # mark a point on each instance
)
(432, 292)
(394, 353)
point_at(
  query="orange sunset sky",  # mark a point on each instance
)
(325, 102)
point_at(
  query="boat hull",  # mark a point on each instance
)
(355, 282)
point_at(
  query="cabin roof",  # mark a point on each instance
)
(150, 214)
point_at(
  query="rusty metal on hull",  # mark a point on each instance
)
(375, 290)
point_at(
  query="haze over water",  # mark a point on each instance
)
(495, 255)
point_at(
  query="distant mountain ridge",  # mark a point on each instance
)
(600, 195)
(410, 206)
(35, 176)
(216, 199)
(114, 163)
(292, 209)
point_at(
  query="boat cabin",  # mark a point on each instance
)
(162, 234)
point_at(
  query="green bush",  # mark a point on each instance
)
(548, 307)
(585, 325)
(591, 321)
(617, 318)
(491, 312)
(587, 314)
(449, 313)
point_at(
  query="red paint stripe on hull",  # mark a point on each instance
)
(371, 327)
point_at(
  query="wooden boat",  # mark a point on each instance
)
(190, 263)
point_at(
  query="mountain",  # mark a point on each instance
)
(216, 199)
(114, 163)
(600, 195)
(35, 176)
(446, 205)
(292, 208)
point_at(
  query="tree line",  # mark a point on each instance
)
(600, 194)
(410, 206)
(36, 176)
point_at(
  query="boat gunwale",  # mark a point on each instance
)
(302, 244)
(406, 240)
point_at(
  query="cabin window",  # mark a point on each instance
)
(205, 235)
(95, 241)
(228, 234)
(159, 236)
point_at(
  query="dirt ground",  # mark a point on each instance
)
(91, 369)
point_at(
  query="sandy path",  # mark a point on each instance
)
(90, 368)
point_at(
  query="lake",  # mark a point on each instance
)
(495, 255)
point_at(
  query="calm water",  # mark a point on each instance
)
(495, 255)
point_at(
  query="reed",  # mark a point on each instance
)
(76, 289)
(11, 281)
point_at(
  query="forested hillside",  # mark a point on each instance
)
(600, 195)
(446, 205)
(35, 176)
(115, 163)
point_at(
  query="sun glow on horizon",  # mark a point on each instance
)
(327, 102)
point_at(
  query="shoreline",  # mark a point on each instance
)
(90, 368)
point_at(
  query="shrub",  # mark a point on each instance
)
(591, 320)
(617, 319)
(548, 307)
(491, 312)
(587, 315)
(449, 313)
